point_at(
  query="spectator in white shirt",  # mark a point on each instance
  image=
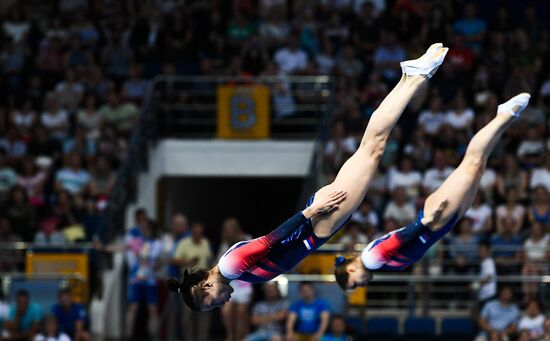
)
(431, 119)
(24, 119)
(434, 177)
(8, 176)
(460, 117)
(55, 119)
(487, 275)
(15, 26)
(481, 215)
(406, 177)
(69, 92)
(399, 209)
(536, 258)
(511, 208)
(72, 177)
(274, 30)
(325, 59)
(541, 175)
(536, 245)
(531, 147)
(50, 331)
(291, 59)
(532, 321)
(488, 182)
(89, 118)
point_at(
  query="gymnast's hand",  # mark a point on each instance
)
(436, 215)
(325, 204)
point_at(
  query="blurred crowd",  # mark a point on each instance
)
(74, 73)
(26, 319)
(264, 314)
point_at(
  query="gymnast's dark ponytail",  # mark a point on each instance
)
(340, 273)
(190, 279)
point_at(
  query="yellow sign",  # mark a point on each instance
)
(62, 263)
(358, 296)
(243, 111)
(323, 263)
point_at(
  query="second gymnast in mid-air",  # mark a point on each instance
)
(442, 209)
(265, 258)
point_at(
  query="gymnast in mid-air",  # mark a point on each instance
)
(266, 257)
(442, 209)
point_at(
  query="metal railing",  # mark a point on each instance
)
(19, 254)
(44, 287)
(187, 105)
(144, 132)
(435, 283)
(22, 246)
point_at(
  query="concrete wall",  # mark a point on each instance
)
(219, 158)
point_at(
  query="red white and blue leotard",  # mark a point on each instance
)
(262, 259)
(401, 248)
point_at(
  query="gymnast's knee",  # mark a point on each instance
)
(474, 166)
(374, 148)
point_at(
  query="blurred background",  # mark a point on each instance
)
(142, 137)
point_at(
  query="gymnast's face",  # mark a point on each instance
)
(358, 276)
(213, 294)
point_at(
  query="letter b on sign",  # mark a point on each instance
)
(243, 115)
(243, 111)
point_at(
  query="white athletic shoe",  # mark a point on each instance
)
(433, 48)
(428, 63)
(515, 105)
(430, 52)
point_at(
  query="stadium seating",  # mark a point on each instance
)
(421, 329)
(356, 325)
(457, 329)
(382, 328)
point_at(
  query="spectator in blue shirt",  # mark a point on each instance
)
(337, 330)
(387, 57)
(471, 27)
(499, 317)
(71, 317)
(308, 317)
(463, 248)
(143, 252)
(24, 317)
(140, 217)
(505, 247)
